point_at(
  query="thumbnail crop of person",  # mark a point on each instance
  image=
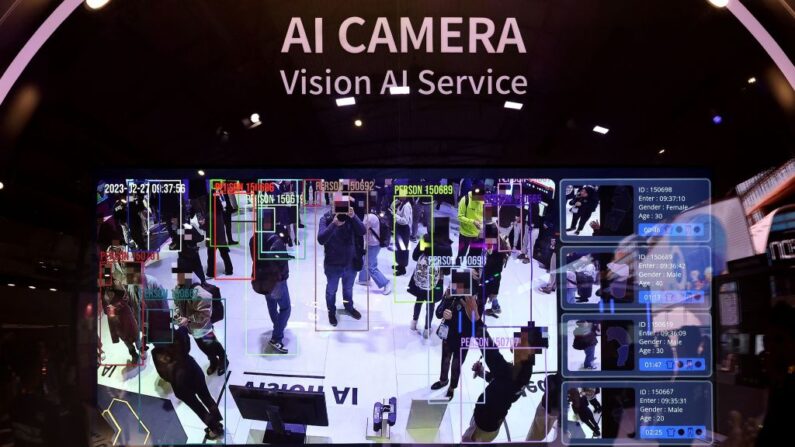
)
(336, 233)
(497, 255)
(403, 212)
(582, 206)
(175, 365)
(505, 383)
(193, 310)
(456, 326)
(427, 281)
(470, 222)
(586, 337)
(271, 272)
(374, 240)
(547, 413)
(579, 405)
(581, 276)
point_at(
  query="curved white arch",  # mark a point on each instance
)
(34, 44)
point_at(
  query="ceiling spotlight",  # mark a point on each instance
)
(717, 119)
(11, 284)
(403, 90)
(601, 130)
(252, 121)
(661, 151)
(513, 105)
(349, 101)
(752, 80)
(719, 3)
(201, 172)
(32, 287)
(53, 289)
(2, 185)
(358, 123)
(96, 4)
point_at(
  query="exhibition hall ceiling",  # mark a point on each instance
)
(168, 82)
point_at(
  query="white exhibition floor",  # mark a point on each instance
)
(358, 362)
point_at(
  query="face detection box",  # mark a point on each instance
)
(633, 413)
(662, 344)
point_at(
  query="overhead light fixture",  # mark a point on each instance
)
(53, 289)
(358, 123)
(601, 130)
(752, 80)
(201, 172)
(96, 4)
(11, 284)
(2, 185)
(252, 121)
(349, 101)
(32, 287)
(513, 105)
(402, 90)
(661, 151)
(717, 119)
(719, 3)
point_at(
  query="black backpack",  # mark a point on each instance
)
(218, 304)
(384, 231)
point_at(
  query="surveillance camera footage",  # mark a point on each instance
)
(405, 223)
(430, 307)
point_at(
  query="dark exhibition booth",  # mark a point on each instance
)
(247, 222)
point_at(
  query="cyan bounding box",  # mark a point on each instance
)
(673, 432)
(673, 364)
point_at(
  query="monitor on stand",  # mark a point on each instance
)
(287, 412)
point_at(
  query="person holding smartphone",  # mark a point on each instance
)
(451, 310)
(337, 231)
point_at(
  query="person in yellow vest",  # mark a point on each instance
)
(470, 221)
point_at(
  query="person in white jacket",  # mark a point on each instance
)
(402, 211)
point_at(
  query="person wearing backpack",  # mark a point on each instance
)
(270, 280)
(337, 233)
(426, 283)
(193, 309)
(375, 238)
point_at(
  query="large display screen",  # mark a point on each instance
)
(413, 306)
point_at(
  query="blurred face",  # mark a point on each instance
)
(521, 354)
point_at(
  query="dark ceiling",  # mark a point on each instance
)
(150, 82)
